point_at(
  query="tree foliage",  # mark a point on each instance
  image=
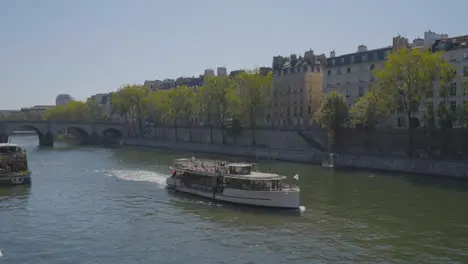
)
(74, 110)
(332, 115)
(407, 80)
(369, 109)
(254, 93)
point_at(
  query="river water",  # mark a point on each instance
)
(96, 205)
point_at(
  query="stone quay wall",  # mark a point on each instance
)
(289, 145)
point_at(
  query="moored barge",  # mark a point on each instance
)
(13, 165)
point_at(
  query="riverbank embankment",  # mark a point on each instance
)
(342, 161)
(263, 153)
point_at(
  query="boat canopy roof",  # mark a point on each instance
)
(240, 164)
(9, 145)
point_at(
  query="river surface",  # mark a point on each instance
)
(97, 205)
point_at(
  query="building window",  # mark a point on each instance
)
(361, 91)
(372, 67)
(305, 68)
(329, 72)
(300, 111)
(338, 71)
(400, 122)
(465, 90)
(453, 106)
(364, 57)
(288, 113)
(309, 109)
(453, 89)
(295, 110)
(465, 70)
(348, 70)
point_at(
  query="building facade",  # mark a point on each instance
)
(63, 99)
(456, 51)
(297, 89)
(353, 74)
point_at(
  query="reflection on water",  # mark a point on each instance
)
(109, 206)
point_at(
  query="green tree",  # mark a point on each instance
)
(73, 111)
(188, 104)
(408, 78)
(94, 109)
(332, 115)
(132, 102)
(161, 105)
(254, 92)
(368, 110)
(218, 95)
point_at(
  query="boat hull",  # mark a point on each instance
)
(15, 180)
(281, 199)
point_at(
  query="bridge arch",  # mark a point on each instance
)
(76, 131)
(45, 138)
(112, 132)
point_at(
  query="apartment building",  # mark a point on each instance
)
(456, 51)
(104, 102)
(352, 74)
(153, 84)
(63, 99)
(297, 89)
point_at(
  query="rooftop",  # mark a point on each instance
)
(454, 43)
(359, 57)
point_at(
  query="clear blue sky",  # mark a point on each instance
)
(84, 47)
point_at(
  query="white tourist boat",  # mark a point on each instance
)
(239, 183)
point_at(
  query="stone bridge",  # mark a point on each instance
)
(46, 130)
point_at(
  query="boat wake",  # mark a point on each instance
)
(1, 254)
(137, 175)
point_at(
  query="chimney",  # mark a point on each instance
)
(332, 54)
(293, 58)
(275, 62)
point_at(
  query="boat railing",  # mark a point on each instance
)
(210, 166)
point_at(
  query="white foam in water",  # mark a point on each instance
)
(136, 175)
(1, 254)
(302, 208)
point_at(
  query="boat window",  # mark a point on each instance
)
(243, 184)
(9, 149)
(240, 170)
